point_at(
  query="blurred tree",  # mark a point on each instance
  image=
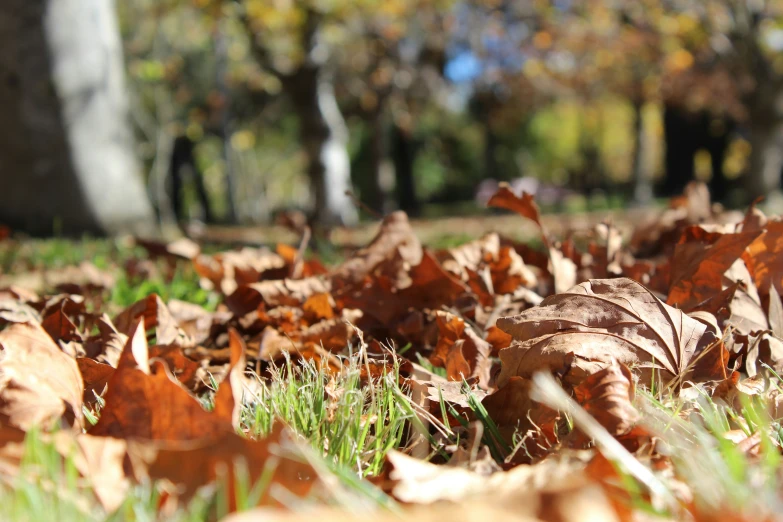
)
(383, 55)
(394, 73)
(290, 40)
(66, 150)
(727, 54)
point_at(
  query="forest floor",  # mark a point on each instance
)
(514, 366)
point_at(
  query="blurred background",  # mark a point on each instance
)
(122, 116)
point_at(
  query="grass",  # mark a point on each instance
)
(349, 423)
(720, 474)
(353, 423)
(49, 487)
(183, 284)
(180, 282)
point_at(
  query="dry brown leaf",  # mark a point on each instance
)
(201, 461)
(99, 460)
(608, 396)
(395, 241)
(431, 287)
(156, 315)
(318, 307)
(39, 384)
(182, 248)
(534, 490)
(700, 261)
(228, 399)
(563, 269)
(761, 347)
(460, 350)
(282, 292)
(194, 320)
(775, 312)
(274, 346)
(151, 405)
(735, 307)
(497, 339)
(15, 309)
(95, 376)
(583, 330)
(764, 258)
(228, 271)
(185, 370)
(60, 327)
(579, 503)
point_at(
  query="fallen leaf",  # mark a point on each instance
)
(532, 489)
(185, 370)
(584, 329)
(764, 258)
(39, 384)
(196, 322)
(497, 339)
(395, 240)
(98, 460)
(228, 457)
(700, 261)
(608, 396)
(227, 271)
(563, 270)
(283, 292)
(460, 350)
(318, 307)
(143, 404)
(156, 315)
(95, 377)
(775, 312)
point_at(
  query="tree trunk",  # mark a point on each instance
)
(183, 165)
(325, 140)
(225, 130)
(766, 157)
(642, 184)
(491, 143)
(404, 155)
(379, 196)
(66, 149)
(678, 133)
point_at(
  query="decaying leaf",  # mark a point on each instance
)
(395, 244)
(530, 489)
(39, 384)
(700, 261)
(608, 396)
(460, 350)
(229, 270)
(156, 315)
(563, 269)
(228, 457)
(146, 404)
(582, 330)
(282, 292)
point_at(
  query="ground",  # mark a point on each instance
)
(627, 364)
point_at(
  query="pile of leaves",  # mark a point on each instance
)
(558, 382)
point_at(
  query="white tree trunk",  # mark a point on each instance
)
(66, 148)
(325, 139)
(335, 160)
(640, 175)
